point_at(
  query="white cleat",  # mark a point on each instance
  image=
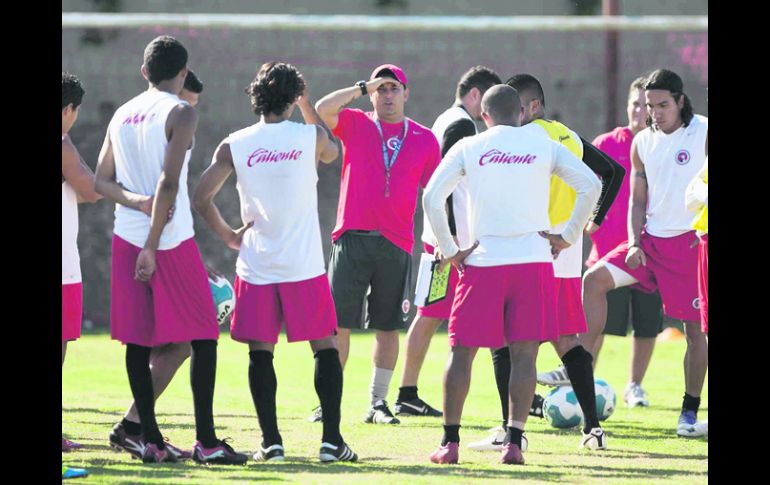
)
(557, 377)
(634, 396)
(494, 442)
(596, 439)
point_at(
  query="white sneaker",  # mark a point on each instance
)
(494, 442)
(596, 439)
(557, 377)
(634, 396)
(702, 428)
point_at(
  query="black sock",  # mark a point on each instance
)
(690, 403)
(407, 393)
(131, 427)
(263, 385)
(328, 386)
(501, 360)
(513, 435)
(203, 374)
(451, 434)
(140, 380)
(581, 375)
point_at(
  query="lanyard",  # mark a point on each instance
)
(389, 163)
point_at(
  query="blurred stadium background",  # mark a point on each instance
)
(585, 73)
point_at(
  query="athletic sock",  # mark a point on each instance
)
(378, 389)
(578, 362)
(328, 386)
(131, 427)
(513, 435)
(451, 434)
(263, 385)
(501, 361)
(140, 380)
(407, 393)
(203, 373)
(690, 403)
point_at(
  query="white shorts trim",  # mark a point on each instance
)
(620, 277)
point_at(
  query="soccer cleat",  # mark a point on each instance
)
(702, 427)
(67, 472)
(179, 454)
(416, 407)
(446, 454)
(67, 445)
(222, 454)
(330, 453)
(317, 415)
(634, 396)
(380, 414)
(271, 453)
(512, 454)
(536, 409)
(120, 440)
(494, 442)
(596, 439)
(557, 377)
(688, 426)
(153, 454)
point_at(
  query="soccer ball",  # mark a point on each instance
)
(605, 399)
(561, 408)
(224, 298)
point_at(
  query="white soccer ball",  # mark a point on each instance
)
(561, 408)
(224, 298)
(605, 399)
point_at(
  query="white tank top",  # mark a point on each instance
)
(670, 162)
(138, 135)
(70, 257)
(275, 166)
(460, 194)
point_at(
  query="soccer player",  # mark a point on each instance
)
(452, 125)
(567, 269)
(645, 308)
(77, 185)
(658, 254)
(160, 292)
(165, 360)
(387, 157)
(280, 268)
(506, 293)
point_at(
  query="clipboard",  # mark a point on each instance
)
(439, 283)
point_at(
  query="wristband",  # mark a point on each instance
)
(362, 84)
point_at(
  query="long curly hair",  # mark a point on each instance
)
(275, 88)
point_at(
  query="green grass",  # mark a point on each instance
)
(643, 445)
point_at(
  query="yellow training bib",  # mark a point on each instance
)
(701, 222)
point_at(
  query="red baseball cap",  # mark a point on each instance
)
(391, 70)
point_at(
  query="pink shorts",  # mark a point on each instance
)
(672, 268)
(497, 305)
(569, 306)
(441, 309)
(176, 305)
(306, 307)
(71, 311)
(703, 281)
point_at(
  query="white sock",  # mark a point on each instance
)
(378, 388)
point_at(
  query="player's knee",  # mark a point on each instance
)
(694, 334)
(598, 280)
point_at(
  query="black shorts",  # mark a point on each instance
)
(645, 309)
(368, 261)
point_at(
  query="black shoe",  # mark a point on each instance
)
(317, 415)
(537, 406)
(380, 414)
(271, 453)
(222, 454)
(416, 407)
(330, 453)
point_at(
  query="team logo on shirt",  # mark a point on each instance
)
(682, 157)
(496, 156)
(393, 143)
(262, 155)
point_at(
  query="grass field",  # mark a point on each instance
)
(643, 445)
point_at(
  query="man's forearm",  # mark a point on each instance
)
(637, 216)
(165, 197)
(332, 104)
(113, 191)
(210, 213)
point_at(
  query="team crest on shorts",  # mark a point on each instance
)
(696, 303)
(682, 157)
(405, 306)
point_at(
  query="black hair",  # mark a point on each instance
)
(164, 57)
(501, 103)
(670, 81)
(479, 77)
(638, 83)
(527, 83)
(71, 90)
(192, 83)
(275, 88)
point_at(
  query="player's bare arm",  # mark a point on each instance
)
(637, 210)
(329, 106)
(326, 145)
(77, 173)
